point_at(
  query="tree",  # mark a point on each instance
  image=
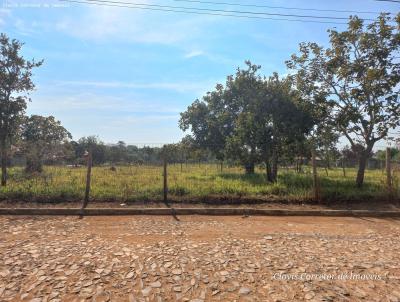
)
(358, 78)
(213, 121)
(271, 120)
(394, 154)
(351, 154)
(42, 138)
(209, 122)
(93, 144)
(15, 79)
(248, 120)
(118, 153)
(242, 99)
(326, 139)
(285, 120)
(190, 151)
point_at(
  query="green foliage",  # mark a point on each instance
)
(194, 182)
(394, 154)
(15, 82)
(42, 138)
(355, 81)
(15, 75)
(90, 143)
(249, 120)
(209, 122)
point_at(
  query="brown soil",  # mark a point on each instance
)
(366, 205)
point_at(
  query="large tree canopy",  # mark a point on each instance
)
(358, 78)
(248, 120)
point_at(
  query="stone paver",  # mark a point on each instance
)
(199, 259)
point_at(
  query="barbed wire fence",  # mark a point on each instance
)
(152, 176)
(213, 180)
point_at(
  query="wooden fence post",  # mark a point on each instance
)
(388, 170)
(165, 179)
(88, 179)
(316, 188)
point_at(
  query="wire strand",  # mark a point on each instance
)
(223, 10)
(278, 7)
(203, 13)
(393, 1)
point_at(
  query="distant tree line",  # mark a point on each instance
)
(35, 153)
(122, 153)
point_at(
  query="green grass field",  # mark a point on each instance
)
(191, 182)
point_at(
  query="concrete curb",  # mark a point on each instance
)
(196, 211)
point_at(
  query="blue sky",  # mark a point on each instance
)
(126, 74)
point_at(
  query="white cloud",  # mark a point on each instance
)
(83, 102)
(98, 23)
(110, 24)
(193, 86)
(113, 23)
(4, 14)
(24, 28)
(129, 121)
(114, 118)
(194, 53)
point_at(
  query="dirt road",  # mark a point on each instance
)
(199, 258)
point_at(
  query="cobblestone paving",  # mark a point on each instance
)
(199, 259)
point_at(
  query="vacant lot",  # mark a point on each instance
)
(199, 259)
(190, 183)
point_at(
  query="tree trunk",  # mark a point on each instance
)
(249, 167)
(362, 164)
(274, 167)
(33, 165)
(269, 171)
(361, 170)
(3, 147)
(300, 167)
(33, 162)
